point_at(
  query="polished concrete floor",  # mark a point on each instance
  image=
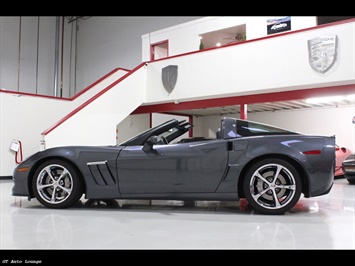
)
(325, 222)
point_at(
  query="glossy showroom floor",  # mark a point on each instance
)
(326, 222)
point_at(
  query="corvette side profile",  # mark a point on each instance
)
(268, 166)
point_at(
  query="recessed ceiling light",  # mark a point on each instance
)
(328, 99)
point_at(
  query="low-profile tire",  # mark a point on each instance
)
(351, 180)
(56, 184)
(272, 186)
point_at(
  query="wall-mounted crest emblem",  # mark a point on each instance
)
(169, 76)
(322, 53)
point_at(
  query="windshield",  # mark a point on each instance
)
(169, 130)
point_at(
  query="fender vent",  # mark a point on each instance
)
(101, 173)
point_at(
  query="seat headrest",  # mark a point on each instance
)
(218, 133)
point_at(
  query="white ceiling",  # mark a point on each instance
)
(268, 107)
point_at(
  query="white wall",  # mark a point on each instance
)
(89, 48)
(158, 119)
(25, 117)
(95, 123)
(184, 38)
(135, 124)
(131, 126)
(95, 46)
(261, 66)
(27, 55)
(316, 121)
(107, 42)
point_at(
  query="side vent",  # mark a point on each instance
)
(230, 146)
(101, 173)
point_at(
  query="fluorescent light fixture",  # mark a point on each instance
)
(329, 99)
(350, 97)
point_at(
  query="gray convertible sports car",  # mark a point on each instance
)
(269, 166)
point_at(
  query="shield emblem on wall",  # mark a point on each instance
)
(169, 77)
(322, 53)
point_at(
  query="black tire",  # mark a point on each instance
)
(351, 181)
(269, 195)
(56, 184)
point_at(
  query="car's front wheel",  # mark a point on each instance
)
(272, 186)
(56, 184)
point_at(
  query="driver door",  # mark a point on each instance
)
(174, 168)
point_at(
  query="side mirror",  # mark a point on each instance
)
(148, 145)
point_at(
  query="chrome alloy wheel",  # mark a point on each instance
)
(54, 184)
(272, 186)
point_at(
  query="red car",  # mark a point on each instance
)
(340, 155)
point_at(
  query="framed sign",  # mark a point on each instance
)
(278, 24)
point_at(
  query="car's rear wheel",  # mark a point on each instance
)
(272, 186)
(351, 180)
(56, 184)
